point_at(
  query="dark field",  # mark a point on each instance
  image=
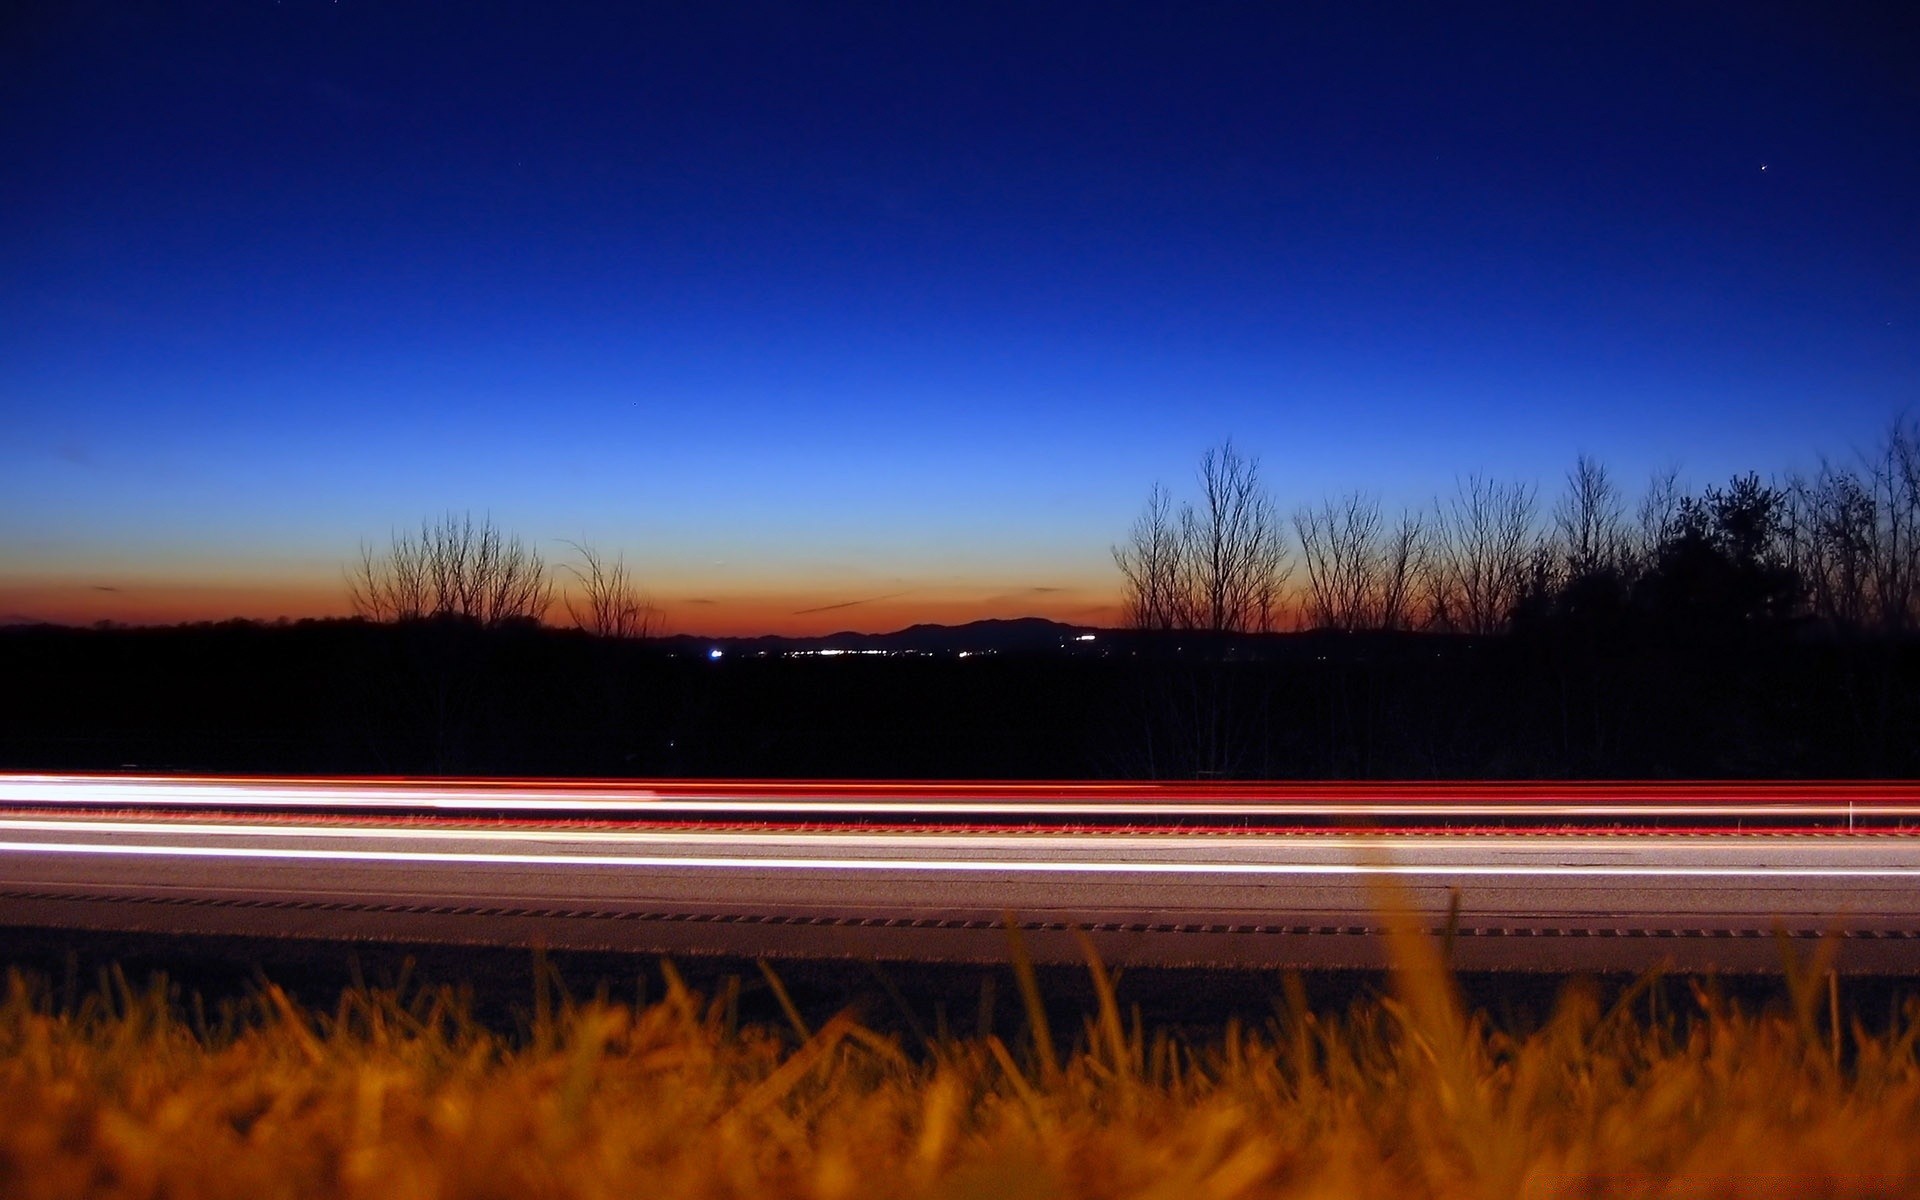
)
(1555, 701)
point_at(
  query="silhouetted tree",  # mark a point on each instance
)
(1359, 574)
(1725, 564)
(451, 590)
(1655, 515)
(1855, 537)
(452, 568)
(1406, 546)
(608, 603)
(1216, 569)
(1833, 536)
(1588, 520)
(1218, 566)
(1234, 555)
(1586, 574)
(1481, 546)
(1895, 487)
(1149, 564)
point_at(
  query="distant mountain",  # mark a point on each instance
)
(22, 619)
(1019, 634)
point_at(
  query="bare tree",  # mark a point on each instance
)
(1343, 546)
(1339, 544)
(608, 603)
(1895, 495)
(1588, 520)
(1399, 569)
(1658, 515)
(1215, 567)
(1854, 537)
(1234, 552)
(454, 567)
(1150, 565)
(1481, 546)
(1359, 574)
(1832, 543)
(391, 586)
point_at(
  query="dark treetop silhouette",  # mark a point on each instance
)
(1749, 629)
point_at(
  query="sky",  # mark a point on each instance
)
(839, 316)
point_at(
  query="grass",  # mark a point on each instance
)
(402, 1093)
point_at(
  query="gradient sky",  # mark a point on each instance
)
(837, 316)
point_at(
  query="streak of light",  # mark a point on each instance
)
(955, 865)
(1620, 801)
(721, 837)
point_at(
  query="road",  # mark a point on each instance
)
(1545, 877)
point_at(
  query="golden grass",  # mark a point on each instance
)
(131, 1093)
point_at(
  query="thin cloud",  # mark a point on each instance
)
(104, 587)
(803, 612)
(1022, 595)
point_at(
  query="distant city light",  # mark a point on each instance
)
(716, 652)
(1085, 637)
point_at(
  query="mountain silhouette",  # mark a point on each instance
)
(1003, 635)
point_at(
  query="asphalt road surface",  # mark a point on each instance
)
(1529, 877)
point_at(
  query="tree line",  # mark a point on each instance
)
(457, 569)
(1744, 629)
(1835, 552)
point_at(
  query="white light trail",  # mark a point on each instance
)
(957, 865)
(1709, 802)
(1158, 842)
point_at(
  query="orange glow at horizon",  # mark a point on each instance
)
(795, 613)
(154, 602)
(736, 613)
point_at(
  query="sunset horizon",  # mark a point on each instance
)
(887, 321)
(1056, 598)
(796, 614)
(790, 595)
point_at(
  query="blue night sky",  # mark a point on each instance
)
(853, 315)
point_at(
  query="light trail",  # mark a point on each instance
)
(994, 838)
(868, 874)
(922, 865)
(1877, 802)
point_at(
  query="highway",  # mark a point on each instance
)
(1547, 877)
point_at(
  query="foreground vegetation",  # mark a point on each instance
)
(133, 1093)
